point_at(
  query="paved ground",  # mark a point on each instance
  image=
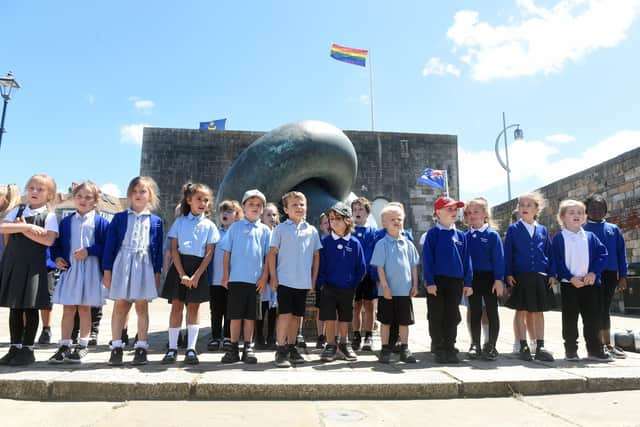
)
(340, 380)
(594, 409)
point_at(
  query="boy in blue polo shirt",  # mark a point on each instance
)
(446, 263)
(342, 267)
(245, 273)
(396, 259)
(296, 244)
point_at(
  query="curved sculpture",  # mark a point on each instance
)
(311, 156)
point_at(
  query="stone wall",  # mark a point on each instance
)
(388, 165)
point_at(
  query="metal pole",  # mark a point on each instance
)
(371, 89)
(4, 110)
(506, 153)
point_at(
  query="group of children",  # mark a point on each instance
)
(250, 267)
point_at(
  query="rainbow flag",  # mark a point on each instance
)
(349, 54)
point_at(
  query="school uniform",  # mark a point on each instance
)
(133, 253)
(447, 264)
(528, 258)
(193, 234)
(218, 293)
(615, 268)
(342, 267)
(487, 258)
(397, 257)
(248, 244)
(576, 255)
(296, 245)
(81, 282)
(367, 289)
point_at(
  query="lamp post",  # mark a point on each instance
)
(518, 135)
(7, 84)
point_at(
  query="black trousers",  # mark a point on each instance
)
(584, 302)
(607, 289)
(268, 315)
(482, 284)
(218, 308)
(443, 313)
(23, 325)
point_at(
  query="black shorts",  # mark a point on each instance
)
(336, 299)
(397, 310)
(367, 289)
(292, 301)
(243, 302)
(318, 298)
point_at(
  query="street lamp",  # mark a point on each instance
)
(7, 84)
(518, 135)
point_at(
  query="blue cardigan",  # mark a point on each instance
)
(62, 246)
(523, 253)
(446, 253)
(115, 235)
(597, 257)
(611, 236)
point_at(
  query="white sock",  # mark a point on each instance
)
(83, 342)
(141, 344)
(173, 338)
(66, 342)
(533, 345)
(192, 336)
(116, 343)
(485, 332)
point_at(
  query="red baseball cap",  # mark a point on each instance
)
(443, 202)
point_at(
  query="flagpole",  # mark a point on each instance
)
(371, 89)
(446, 182)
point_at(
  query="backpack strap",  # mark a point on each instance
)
(21, 209)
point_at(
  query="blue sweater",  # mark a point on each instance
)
(115, 235)
(523, 253)
(611, 236)
(487, 254)
(342, 263)
(597, 257)
(62, 246)
(446, 253)
(367, 238)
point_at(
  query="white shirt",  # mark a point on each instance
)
(50, 223)
(576, 252)
(531, 228)
(336, 237)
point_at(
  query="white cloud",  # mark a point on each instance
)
(560, 138)
(142, 105)
(537, 160)
(111, 189)
(543, 40)
(436, 67)
(132, 133)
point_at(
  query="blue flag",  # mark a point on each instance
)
(213, 125)
(433, 177)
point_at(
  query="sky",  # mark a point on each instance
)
(93, 74)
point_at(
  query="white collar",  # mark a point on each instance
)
(572, 235)
(529, 226)
(36, 211)
(481, 229)
(345, 237)
(602, 221)
(144, 212)
(442, 227)
(89, 215)
(192, 216)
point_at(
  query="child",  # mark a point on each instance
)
(448, 275)
(487, 259)
(579, 259)
(530, 273)
(396, 259)
(32, 228)
(229, 211)
(245, 273)
(9, 198)
(342, 267)
(193, 237)
(614, 275)
(269, 298)
(78, 252)
(296, 244)
(132, 263)
(366, 293)
(324, 230)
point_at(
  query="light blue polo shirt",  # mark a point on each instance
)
(216, 262)
(296, 245)
(397, 257)
(248, 243)
(193, 233)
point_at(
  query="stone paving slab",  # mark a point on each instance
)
(340, 380)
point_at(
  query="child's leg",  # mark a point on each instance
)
(293, 328)
(30, 326)
(142, 311)
(271, 326)
(236, 328)
(193, 324)
(248, 327)
(404, 334)
(589, 310)
(283, 328)
(16, 326)
(452, 295)
(330, 326)
(368, 315)
(474, 313)
(320, 325)
(384, 333)
(343, 329)
(259, 324)
(484, 321)
(536, 319)
(45, 315)
(491, 313)
(68, 320)
(357, 315)
(84, 312)
(519, 325)
(435, 310)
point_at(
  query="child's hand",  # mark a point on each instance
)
(80, 254)
(467, 291)
(589, 279)
(622, 283)
(498, 288)
(551, 280)
(61, 264)
(106, 280)
(261, 284)
(37, 230)
(224, 282)
(185, 280)
(386, 292)
(576, 282)
(511, 281)
(195, 279)
(414, 291)
(432, 290)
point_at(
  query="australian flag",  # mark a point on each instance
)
(213, 125)
(433, 177)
